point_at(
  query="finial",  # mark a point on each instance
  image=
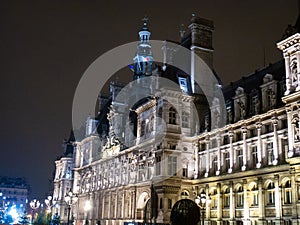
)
(182, 31)
(145, 20)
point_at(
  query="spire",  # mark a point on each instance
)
(143, 60)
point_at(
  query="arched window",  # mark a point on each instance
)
(254, 195)
(214, 199)
(287, 192)
(240, 196)
(172, 116)
(271, 193)
(226, 198)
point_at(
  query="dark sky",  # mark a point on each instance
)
(45, 47)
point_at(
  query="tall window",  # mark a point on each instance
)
(172, 165)
(214, 200)
(239, 153)
(270, 153)
(172, 116)
(157, 165)
(271, 194)
(185, 120)
(226, 198)
(254, 195)
(215, 163)
(240, 197)
(287, 192)
(143, 125)
(227, 161)
(254, 155)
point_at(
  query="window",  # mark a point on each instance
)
(254, 155)
(172, 116)
(225, 140)
(161, 203)
(172, 165)
(287, 192)
(227, 161)
(254, 104)
(254, 195)
(214, 200)
(169, 203)
(270, 153)
(184, 172)
(143, 125)
(185, 120)
(226, 198)
(239, 153)
(271, 193)
(159, 114)
(157, 165)
(240, 197)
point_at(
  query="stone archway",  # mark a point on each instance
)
(185, 211)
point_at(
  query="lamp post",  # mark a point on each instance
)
(34, 204)
(87, 208)
(70, 199)
(202, 201)
(50, 202)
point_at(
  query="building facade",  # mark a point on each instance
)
(135, 170)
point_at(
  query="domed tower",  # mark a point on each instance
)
(143, 60)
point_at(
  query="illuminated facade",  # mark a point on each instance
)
(249, 168)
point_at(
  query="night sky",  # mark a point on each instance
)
(45, 47)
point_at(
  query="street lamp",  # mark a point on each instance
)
(87, 208)
(70, 199)
(34, 204)
(50, 202)
(201, 201)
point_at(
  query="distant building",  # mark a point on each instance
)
(14, 191)
(249, 168)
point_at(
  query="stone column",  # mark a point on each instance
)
(290, 132)
(219, 154)
(261, 202)
(207, 156)
(246, 204)
(298, 71)
(275, 140)
(196, 172)
(287, 73)
(231, 151)
(278, 206)
(259, 150)
(207, 209)
(232, 205)
(244, 131)
(294, 195)
(220, 204)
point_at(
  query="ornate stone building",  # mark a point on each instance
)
(138, 169)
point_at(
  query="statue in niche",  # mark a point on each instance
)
(242, 109)
(296, 130)
(257, 106)
(294, 71)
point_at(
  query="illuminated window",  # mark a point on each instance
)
(226, 198)
(287, 192)
(240, 197)
(271, 194)
(254, 195)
